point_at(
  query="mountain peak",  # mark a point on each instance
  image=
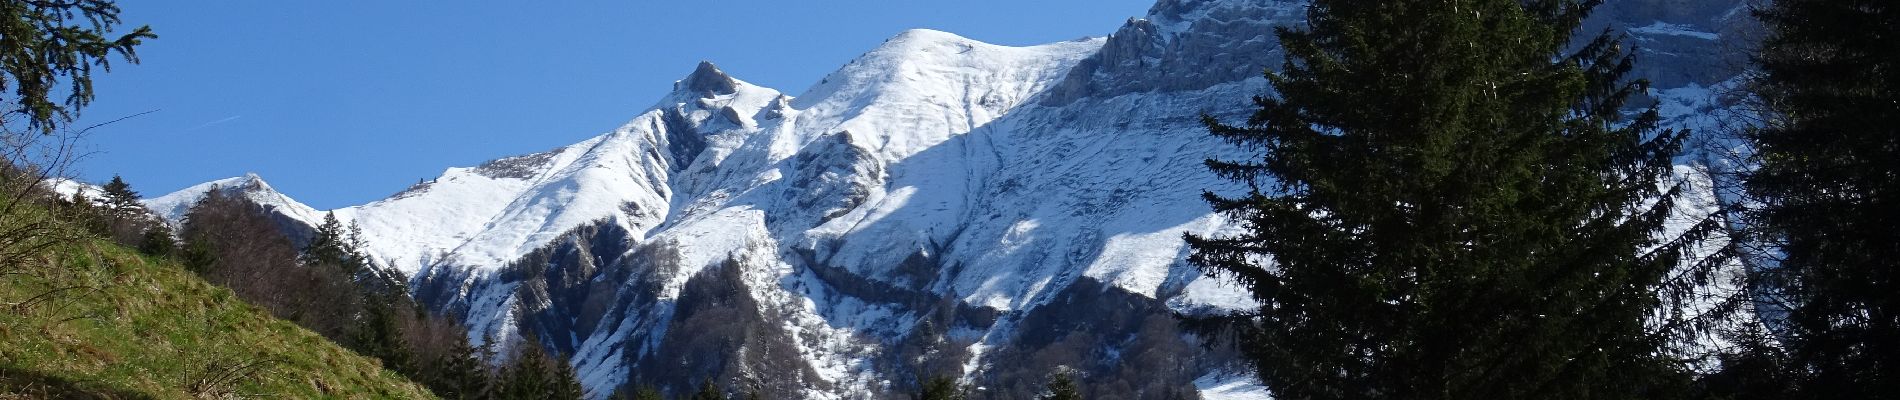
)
(175, 205)
(923, 35)
(707, 80)
(919, 63)
(251, 182)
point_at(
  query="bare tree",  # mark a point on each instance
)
(46, 48)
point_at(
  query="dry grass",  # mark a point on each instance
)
(128, 327)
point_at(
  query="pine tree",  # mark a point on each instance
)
(53, 43)
(197, 255)
(533, 374)
(524, 377)
(637, 392)
(202, 222)
(353, 250)
(491, 388)
(1827, 187)
(1061, 387)
(87, 214)
(565, 385)
(158, 241)
(125, 220)
(708, 392)
(48, 49)
(1453, 209)
(940, 388)
(646, 393)
(459, 373)
(380, 335)
(120, 200)
(331, 244)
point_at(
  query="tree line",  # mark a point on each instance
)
(1458, 200)
(1454, 199)
(327, 285)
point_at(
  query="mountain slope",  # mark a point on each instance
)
(936, 207)
(153, 330)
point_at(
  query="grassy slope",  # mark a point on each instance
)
(155, 330)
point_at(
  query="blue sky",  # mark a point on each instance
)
(340, 102)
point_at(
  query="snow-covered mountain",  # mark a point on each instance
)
(937, 207)
(174, 206)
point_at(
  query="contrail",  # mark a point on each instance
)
(219, 121)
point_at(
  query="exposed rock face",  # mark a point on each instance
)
(937, 207)
(1183, 45)
(1682, 42)
(833, 177)
(708, 80)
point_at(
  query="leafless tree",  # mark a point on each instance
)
(50, 49)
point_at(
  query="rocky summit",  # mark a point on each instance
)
(937, 207)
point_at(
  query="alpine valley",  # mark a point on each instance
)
(938, 206)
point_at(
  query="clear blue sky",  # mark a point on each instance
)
(340, 102)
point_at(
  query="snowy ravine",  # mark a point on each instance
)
(937, 207)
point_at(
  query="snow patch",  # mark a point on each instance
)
(1668, 29)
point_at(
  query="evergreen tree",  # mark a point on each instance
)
(646, 393)
(49, 43)
(489, 363)
(124, 219)
(48, 49)
(565, 385)
(524, 377)
(708, 392)
(331, 244)
(379, 335)
(197, 255)
(203, 222)
(460, 373)
(533, 374)
(1826, 188)
(643, 392)
(120, 200)
(1453, 208)
(158, 241)
(88, 215)
(1061, 387)
(353, 245)
(941, 388)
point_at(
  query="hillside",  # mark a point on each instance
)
(150, 329)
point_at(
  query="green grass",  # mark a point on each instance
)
(138, 327)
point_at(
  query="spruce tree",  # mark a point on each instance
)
(645, 392)
(200, 254)
(525, 377)
(197, 255)
(83, 212)
(491, 388)
(120, 200)
(630, 391)
(1449, 206)
(940, 388)
(158, 241)
(1826, 190)
(331, 244)
(564, 383)
(48, 44)
(459, 373)
(533, 374)
(1061, 387)
(707, 391)
(379, 334)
